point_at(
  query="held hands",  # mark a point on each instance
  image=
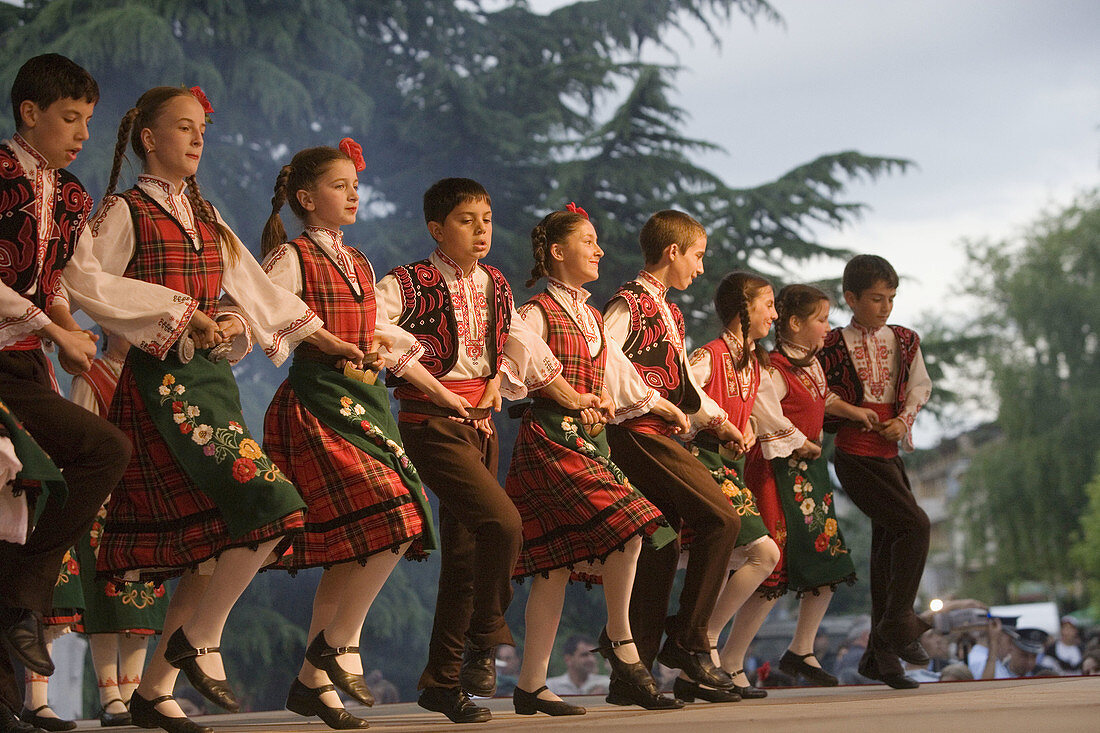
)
(326, 342)
(492, 399)
(75, 349)
(592, 409)
(893, 429)
(750, 436)
(809, 450)
(202, 330)
(671, 414)
(866, 417)
(731, 437)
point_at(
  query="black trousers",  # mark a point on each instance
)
(91, 454)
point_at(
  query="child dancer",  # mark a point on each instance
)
(880, 367)
(199, 487)
(65, 616)
(118, 621)
(792, 486)
(461, 312)
(43, 212)
(729, 369)
(576, 505)
(652, 333)
(333, 434)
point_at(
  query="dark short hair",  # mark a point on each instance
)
(447, 193)
(575, 642)
(47, 78)
(865, 271)
(665, 228)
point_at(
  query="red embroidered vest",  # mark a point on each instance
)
(804, 404)
(728, 386)
(328, 293)
(19, 229)
(652, 353)
(165, 255)
(428, 314)
(841, 375)
(566, 341)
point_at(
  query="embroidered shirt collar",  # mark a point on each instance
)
(646, 278)
(733, 343)
(797, 350)
(863, 329)
(578, 296)
(162, 184)
(30, 158)
(329, 236)
(458, 273)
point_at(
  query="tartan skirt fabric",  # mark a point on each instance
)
(356, 505)
(158, 521)
(573, 508)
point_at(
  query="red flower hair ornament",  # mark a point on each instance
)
(572, 207)
(198, 94)
(354, 151)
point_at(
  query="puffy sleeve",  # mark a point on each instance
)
(632, 396)
(150, 316)
(777, 436)
(405, 349)
(918, 390)
(18, 316)
(528, 364)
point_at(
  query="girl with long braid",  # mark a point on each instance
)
(331, 430)
(580, 513)
(199, 498)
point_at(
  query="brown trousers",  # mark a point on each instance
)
(682, 488)
(480, 537)
(91, 454)
(880, 488)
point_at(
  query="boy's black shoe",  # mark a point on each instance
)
(454, 703)
(696, 665)
(897, 680)
(24, 637)
(11, 724)
(478, 675)
(913, 652)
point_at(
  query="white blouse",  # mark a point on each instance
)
(631, 395)
(527, 363)
(616, 322)
(153, 317)
(777, 435)
(284, 267)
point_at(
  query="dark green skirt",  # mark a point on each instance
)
(729, 474)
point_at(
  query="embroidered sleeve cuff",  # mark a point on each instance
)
(241, 344)
(170, 331)
(781, 444)
(511, 386)
(14, 328)
(641, 407)
(413, 354)
(547, 372)
(286, 338)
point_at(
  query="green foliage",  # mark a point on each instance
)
(1042, 319)
(1085, 553)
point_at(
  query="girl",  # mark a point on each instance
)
(198, 487)
(576, 506)
(729, 369)
(65, 616)
(792, 485)
(333, 433)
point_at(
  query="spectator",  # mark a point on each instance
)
(1090, 665)
(1023, 651)
(957, 672)
(984, 659)
(847, 663)
(507, 670)
(580, 676)
(1067, 651)
(384, 690)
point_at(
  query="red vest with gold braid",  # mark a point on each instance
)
(19, 268)
(164, 253)
(428, 314)
(649, 348)
(567, 342)
(804, 403)
(734, 390)
(328, 293)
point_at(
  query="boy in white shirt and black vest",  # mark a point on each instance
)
(872, 365)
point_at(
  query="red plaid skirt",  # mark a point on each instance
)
(357, 506)
(761, 479)
(573, 509)
(158, 521)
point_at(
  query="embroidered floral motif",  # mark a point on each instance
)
(220, 443)
(353, 411)
(814, 512)
(69, 568)
(138, 595)
(589, 449)
(741, 498)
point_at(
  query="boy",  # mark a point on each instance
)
(879, 368)
(651, 331)
(45, 211)
(461, 312)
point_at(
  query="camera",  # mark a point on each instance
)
(961, 618)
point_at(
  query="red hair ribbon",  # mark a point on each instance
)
(354, 151)
(198, 94)
(576, 209)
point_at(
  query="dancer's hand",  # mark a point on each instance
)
(230, 327)
(335, 346)
(492, 399)
(809, 450)
(731, 437)
(893, 429)
(866, 417)
(202, 331)
(671, 414)
(75, 349)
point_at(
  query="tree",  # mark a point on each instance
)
(1041, 296)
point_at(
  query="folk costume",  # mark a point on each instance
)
(333, 435)
(882, 369)
(734, 390)
(198, 483)
(467, 324)
(795, 494)
(43, 219)
(576, 505)
(651, 331)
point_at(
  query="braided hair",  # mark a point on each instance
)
(731, 301)
(796, 301)
(554, 227)
(300, 174)
(141, 116)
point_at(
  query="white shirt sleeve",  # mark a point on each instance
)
(777, 436)
(918, 390)
(632, 396)
(528, 364)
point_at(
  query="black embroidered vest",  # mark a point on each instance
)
(842, 378)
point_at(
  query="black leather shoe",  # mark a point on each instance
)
(111, 720)
(146, 715)
(44, 722)
(454, 703)
(307, 701)
(625, 692)
(897, 680)
(478, 675)
(913, 652)
(795, 665)
(323, 657)
(25, 639)
(748, 692)
(529, 703)
(688, 692)
(9, 723)
(696, 665)
(180, 654)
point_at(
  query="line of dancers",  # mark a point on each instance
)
(634, 456)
